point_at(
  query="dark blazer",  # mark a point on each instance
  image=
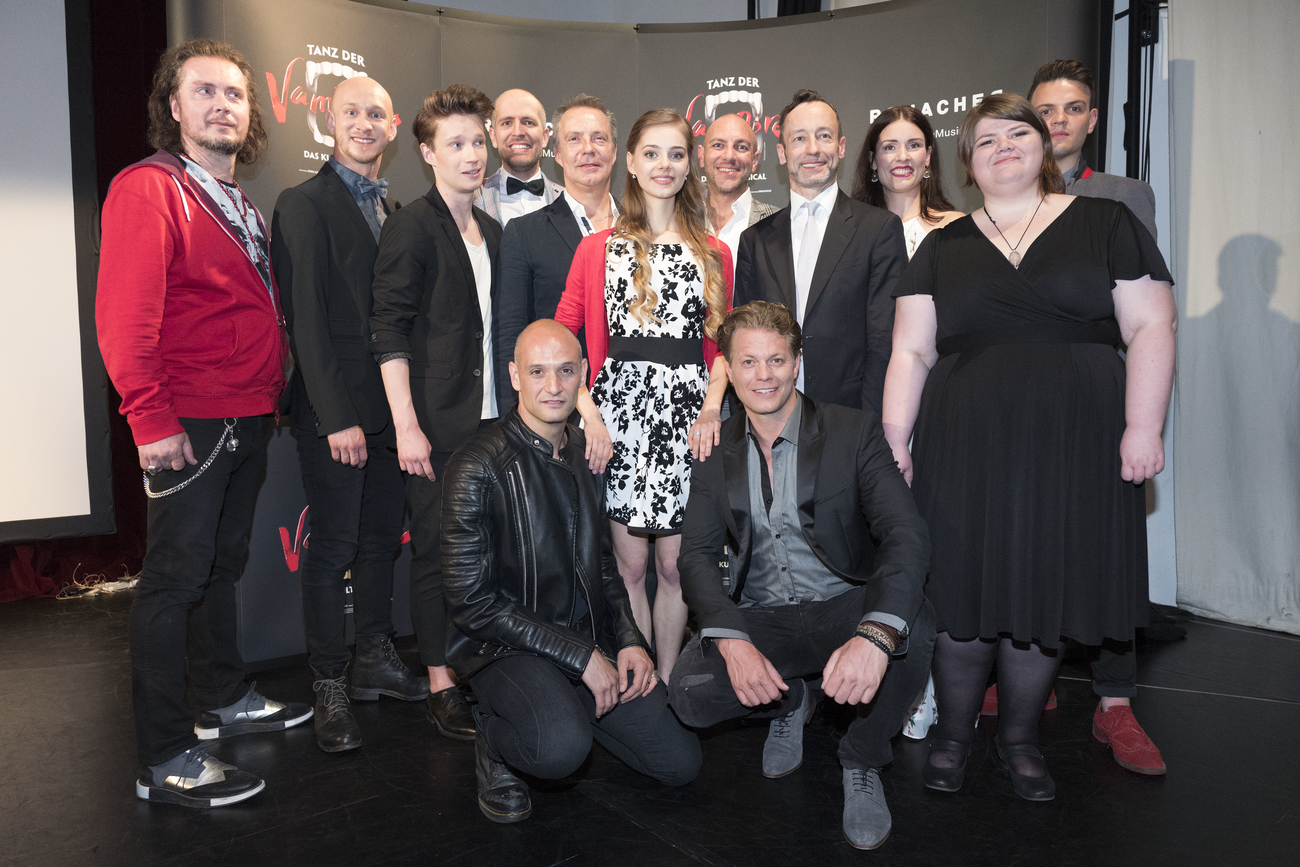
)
(426, 305)
(323, 253)
(856, 511)
(849, 324)
(536, 252)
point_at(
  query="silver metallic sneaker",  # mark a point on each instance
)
(866, 815)
(783, 751)
(252, 713)
(195, 779)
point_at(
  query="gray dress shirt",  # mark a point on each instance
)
(783, 568)
(371, 196)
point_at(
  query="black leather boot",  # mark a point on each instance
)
(336, 728)
(449, 710)
(502, 796)
(377, 670)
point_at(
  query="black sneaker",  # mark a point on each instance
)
(502, 796)
(378, 670)
(195, 779)
(337, 729)
(252, 713)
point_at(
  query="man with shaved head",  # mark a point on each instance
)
(519, 134)
(729, 154)
(325, 235)
(543, 627)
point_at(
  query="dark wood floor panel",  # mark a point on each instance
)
(407, 797)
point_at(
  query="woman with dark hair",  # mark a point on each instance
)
(1033, 434)
(651, 293)
(898, 170)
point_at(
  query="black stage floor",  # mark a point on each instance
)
(1223, 705)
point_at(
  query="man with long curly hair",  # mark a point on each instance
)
(191, 332)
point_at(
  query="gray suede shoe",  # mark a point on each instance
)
(866, 815)
(783, 751)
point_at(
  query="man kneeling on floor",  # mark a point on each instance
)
(544, 630)
(829, 564)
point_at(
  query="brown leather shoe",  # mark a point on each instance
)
(449, 711)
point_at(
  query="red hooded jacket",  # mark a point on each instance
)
(185, 323)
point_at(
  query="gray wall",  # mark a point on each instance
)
(609, 11)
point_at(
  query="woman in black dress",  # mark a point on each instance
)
(1033, 435)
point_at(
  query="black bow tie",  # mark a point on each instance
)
(536, 186)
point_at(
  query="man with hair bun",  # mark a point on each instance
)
(431, 330)
(190, 329)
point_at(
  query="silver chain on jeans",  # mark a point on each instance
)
(230, 446)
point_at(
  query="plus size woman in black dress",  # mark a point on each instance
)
(1033, 434)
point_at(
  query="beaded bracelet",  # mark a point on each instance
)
(878, 637)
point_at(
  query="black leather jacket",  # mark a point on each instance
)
(523, 534)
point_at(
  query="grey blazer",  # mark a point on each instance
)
(488, 199)
(1138, 195)
(758, 210)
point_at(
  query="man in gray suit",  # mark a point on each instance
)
(519, 134)
(1062, 93)
(728, 155)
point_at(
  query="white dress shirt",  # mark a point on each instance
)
(522, 202)
(739, 222)
(580, 213)
(799, 217)
(482, 265)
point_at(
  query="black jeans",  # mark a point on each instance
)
(356, 522)
(428, 605)
(185, 599)
(798, 640)
(540, 722)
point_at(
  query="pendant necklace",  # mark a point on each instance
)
(1014, 258)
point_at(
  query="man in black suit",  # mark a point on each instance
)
(537, 249)
(325, 235)
(431, 330)
(827, 571)
(831, 260)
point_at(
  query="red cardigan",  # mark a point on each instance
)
(186, 325)
(583, 303)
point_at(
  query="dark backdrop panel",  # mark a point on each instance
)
(553, 62)
(940, 55)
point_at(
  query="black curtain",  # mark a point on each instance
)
(797, 7)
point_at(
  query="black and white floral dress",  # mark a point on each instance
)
(649, 407)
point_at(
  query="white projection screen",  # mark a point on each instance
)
(54, 450)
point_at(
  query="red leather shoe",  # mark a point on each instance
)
(990, 706)
(1130, 745)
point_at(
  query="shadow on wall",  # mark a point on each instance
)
(1240, 408)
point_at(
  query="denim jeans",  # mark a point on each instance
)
(185, 599)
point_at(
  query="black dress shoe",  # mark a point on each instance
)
(1030, 788)
(378, 670)
(336, 728)
(502, 796)
(945, 779)
(449, 711)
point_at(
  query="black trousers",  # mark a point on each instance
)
(428, 606)
(183, 618)
(798, 640)
(356, 523)
(1114, 669)
(540, 722)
